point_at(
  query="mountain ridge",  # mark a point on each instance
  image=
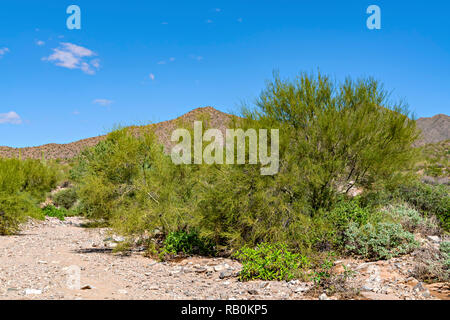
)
(434, 129)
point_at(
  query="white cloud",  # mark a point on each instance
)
(171, 59)
(161, 62)
(195, 57)
(151, 76)
(209, 21)
(3, 51)
(72, 56)
(103, 102)
(10, 117)
(40, 43)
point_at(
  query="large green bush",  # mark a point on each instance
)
(30, 176)
(129, 181)
(333, 137)
(14, 209)
(23, 184)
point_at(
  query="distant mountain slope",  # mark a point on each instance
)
(163, 130)
(434, 129)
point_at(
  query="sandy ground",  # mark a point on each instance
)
(45, 259)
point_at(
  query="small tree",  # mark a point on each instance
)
(338, 136)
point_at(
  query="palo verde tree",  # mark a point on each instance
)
(337, 136)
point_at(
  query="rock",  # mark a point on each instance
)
(263, 285)
(419, 287)
(366, 288)
(301, 289)
(434, 239)
(86, 287)
(253, 292)
(323, 296)
(122, 291)
(219, 268)
(200, 269)
(33, 291)
(226, 274)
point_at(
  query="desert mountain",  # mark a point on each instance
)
(433, 129)
(163, 130)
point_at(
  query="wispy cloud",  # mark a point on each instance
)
(151, 76)
(40, 43)
(3, 51)
(195, 57)
(240, 20)
(10, 118)
(209, 21)
(102, 102)
(72, 56)
(217, 9)
(171, 59)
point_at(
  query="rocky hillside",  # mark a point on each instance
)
(163, 130)
(433, 129)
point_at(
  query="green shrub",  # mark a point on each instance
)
(52, 211)
(14, 210)
(186, 243)
(270, 262)
(29, 176)
(380, 241)
(337, 135)
(429, 200)
(65, 198)
(346, 212)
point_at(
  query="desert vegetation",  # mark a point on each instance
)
(347, 186)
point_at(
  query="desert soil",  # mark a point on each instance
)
(39, 263)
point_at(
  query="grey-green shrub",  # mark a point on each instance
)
(378, 241)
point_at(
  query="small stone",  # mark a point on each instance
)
(252, 291)
(419, 287)
(219, 268)
(300, 289)
(434, 239)
(323, 296)
(366, 288)
(226, 274)
(33, 291)
(86, 287)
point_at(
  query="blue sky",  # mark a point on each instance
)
(135, 62)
